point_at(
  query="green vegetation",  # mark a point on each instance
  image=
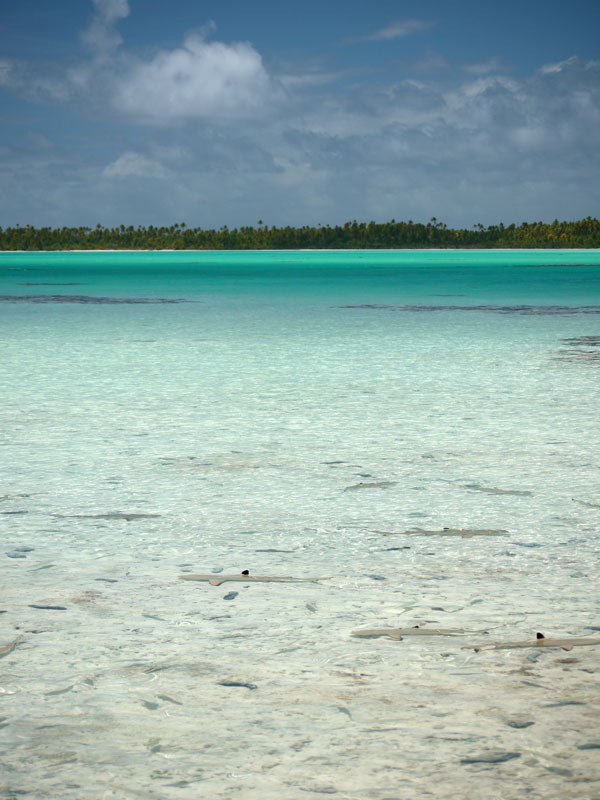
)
(351, 235)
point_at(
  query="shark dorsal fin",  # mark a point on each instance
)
(540, 636)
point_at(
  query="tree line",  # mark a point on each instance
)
(583, 233)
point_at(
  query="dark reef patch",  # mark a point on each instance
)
(580, 348)
(519, 309)
(86, 299)
(32, 283)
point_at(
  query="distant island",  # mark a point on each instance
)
(353, 235)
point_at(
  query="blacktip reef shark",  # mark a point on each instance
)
(245, 577)
(582, 503)
(475, 487)
(128, 517)
(8, 648)
(540, 641)
(399, 633)
(375, 485)
(464, 533)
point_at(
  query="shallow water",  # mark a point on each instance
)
(464, 383)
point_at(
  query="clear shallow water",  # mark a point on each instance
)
(240, 419)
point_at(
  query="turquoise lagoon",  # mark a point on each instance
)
(276, 411)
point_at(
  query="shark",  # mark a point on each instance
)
(493, 490)
(587, 505)
(399, 633)
(245, 577)
(464, 533)
(375, 485)
(8, 648)
(541, 641)
(128, 517)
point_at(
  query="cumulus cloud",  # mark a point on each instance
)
(200, 79)
(101, 35)
(479, 149)
(134, 164)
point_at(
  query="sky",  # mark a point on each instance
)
(143, 112)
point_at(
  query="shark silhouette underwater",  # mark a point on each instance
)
(245, 577)
(8, 648)
(541, 641)
(464, 533)
(399, 633)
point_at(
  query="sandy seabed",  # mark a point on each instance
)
(144, 442)
(120, 694)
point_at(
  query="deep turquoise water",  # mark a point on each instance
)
(292, 408)
(517, 276)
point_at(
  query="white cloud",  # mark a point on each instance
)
(548, 69)
(485, 67)
(101, 35)
(134, 164)
(54, 82)
(6, 72)
(397, 30)
(38, 82)
(199, 79)
(529, 136)
(467, 146)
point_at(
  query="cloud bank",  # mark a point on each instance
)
(223, 139)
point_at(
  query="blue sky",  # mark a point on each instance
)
(224, 113)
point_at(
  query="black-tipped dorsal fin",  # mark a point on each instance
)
(540, 636)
